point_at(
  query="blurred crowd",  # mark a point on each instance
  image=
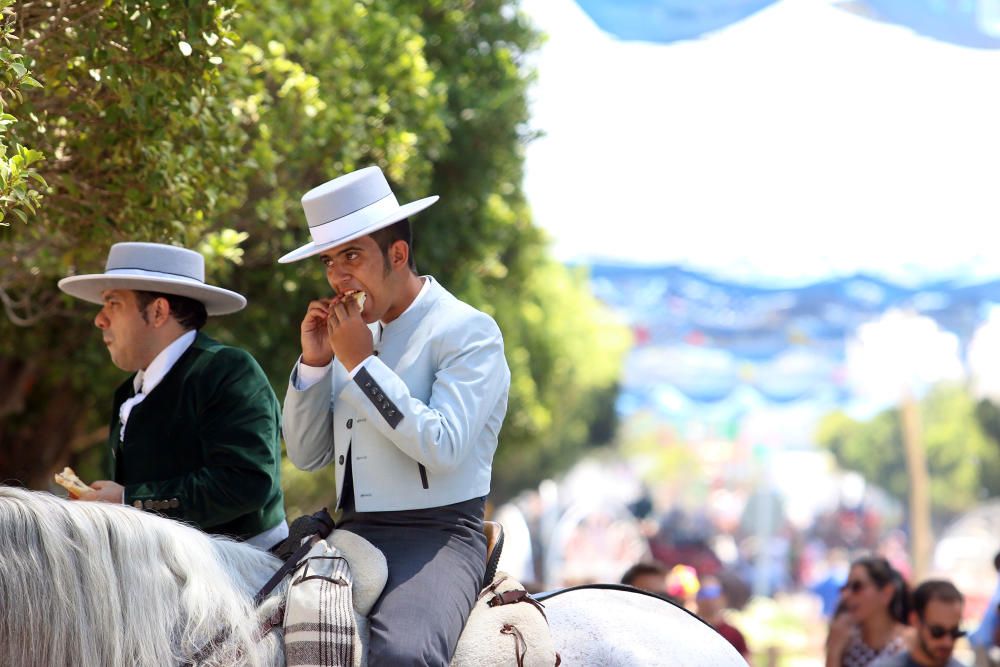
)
(855, 566)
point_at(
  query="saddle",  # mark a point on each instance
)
(334, 587)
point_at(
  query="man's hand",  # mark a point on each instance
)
(105, 491)
(316, 349)
(347, 334)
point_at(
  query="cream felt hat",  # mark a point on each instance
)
(154, 267)
(349, 207)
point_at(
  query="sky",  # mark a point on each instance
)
(800, 143)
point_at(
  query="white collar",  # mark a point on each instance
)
(148, 378)
(426, 280)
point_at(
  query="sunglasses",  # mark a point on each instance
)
(853, 586)
(937, 632)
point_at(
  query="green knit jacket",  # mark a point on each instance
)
(204, 446)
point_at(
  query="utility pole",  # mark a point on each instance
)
(919, 493)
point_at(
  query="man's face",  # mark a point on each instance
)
(943, 619)
(125, 332)
(656, 583)
(360, 265)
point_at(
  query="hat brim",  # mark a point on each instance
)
(312, 248)
(90, 287)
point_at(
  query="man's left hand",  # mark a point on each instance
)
(350, 337)
(105, 491)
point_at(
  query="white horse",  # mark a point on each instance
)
(98, 584)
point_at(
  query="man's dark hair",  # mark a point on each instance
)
(934, 589)
(188, 312)
(397, 231)
(642, 569)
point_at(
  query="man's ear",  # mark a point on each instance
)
(399, 254)
(159, 311)
(914, 619)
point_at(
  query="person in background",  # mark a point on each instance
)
(985, 640)
(650, 577)
(711, 606)
(683, 585)
(871, 621)
(936, 619)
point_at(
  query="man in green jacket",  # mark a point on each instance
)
(195, 432)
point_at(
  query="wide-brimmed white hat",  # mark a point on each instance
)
(348, 207)
(154, 267)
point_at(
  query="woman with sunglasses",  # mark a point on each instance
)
(871, 619)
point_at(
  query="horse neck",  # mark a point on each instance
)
(89, 583)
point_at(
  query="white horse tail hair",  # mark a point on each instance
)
(86, 583)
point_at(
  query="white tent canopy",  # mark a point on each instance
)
(801, 142)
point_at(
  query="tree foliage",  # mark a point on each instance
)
(964, 464)
(192, 124)
(137, 144)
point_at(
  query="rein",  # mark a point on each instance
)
(542, 597)
(304, 532)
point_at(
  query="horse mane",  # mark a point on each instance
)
(86, 583)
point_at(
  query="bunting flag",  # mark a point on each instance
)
(709, 338)
(969, 23)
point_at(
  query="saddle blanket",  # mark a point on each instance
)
(319, 623)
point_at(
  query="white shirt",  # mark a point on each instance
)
(146, 379)
(306, 376)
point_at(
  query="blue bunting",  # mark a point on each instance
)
(707, 337)
(970, 23)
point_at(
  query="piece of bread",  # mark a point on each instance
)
(359, 297)
(69, 481)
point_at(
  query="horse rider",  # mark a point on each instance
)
(195, 429)
(403, 390)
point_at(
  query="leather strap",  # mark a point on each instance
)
(320, 525)
(520, 646)
(514, 596)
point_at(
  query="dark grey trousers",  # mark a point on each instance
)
(437, 559)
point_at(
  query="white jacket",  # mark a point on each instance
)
(421, 418)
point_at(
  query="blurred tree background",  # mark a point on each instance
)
(203, 123)
(963, 452)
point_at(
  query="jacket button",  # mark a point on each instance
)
(137, 504)
(148, 505)
(350, 423)
(341, 459)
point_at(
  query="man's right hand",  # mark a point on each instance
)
(105, 491)
(316, 350)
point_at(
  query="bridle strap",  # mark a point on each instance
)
(315, 527)
(285, 568)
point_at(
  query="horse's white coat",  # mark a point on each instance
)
(612, 628)
(98, 584)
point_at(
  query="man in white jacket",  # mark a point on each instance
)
(403, 388)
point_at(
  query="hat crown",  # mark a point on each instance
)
(156, 258)
(345, 195)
